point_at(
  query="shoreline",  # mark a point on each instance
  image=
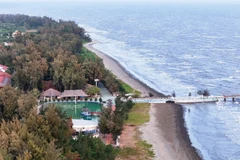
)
(121, 73)
(170, 139)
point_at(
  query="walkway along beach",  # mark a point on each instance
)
(165, 130)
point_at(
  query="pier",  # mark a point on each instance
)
(184, 100)
(232, 97)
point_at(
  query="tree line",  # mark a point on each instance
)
(54, 53)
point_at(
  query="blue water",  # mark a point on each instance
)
(179, 48)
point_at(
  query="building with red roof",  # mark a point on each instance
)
(5, 79)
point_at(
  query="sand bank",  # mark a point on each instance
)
(165, 130)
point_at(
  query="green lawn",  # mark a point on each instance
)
(128, 88)
(138, 114)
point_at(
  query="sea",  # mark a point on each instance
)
(170, 47)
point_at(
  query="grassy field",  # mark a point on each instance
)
(138, 114)
(129, 89)
(142, 150)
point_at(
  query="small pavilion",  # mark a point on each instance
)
(50, 93)
(73, 94)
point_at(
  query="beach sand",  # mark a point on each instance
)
(165, 130)
(121, 72)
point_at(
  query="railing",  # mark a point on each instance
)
(189, 99)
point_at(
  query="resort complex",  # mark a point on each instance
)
(83, 109)
(52, 94)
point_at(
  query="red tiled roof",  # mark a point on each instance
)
(5, 79)
(1, 79)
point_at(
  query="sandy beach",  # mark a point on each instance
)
(165, 130)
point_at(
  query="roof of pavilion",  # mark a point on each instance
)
(51, 93)
(73, 93)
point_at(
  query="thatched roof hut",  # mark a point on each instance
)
(73, 93)
(50, 93)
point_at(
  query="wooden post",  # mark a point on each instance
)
(233, 99)
(225, 99)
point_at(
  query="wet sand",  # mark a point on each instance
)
(165, 130)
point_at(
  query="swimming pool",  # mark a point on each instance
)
(74, 110)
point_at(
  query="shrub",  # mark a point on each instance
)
(93, 90)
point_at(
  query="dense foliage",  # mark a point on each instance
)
(92, 148)
(55, 52)
(113, 121)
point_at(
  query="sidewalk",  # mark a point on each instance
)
(105, 94)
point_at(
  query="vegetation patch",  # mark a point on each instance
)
(128, 89)
(53, 53)
(87, 55)
(138, 114)
(6, 30)
(127, 152)
(147, 148)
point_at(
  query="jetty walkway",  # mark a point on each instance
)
(184, 100)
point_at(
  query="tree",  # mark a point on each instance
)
(174, 94)
(18, 142)
(150, 94)
(200, 92)
(59, 126)
(93, 70)
(206, 93)
(67, 72)
(118, 121)
(105, 122)
(111, 83)
(91, 148)
(100, 100)
(8, 103)
(26, 102)
(30, 67)
(93, 90)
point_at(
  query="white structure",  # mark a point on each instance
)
(179, 100)
(3, 68)
(8, 44)
(96, 80)
(86, 126)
